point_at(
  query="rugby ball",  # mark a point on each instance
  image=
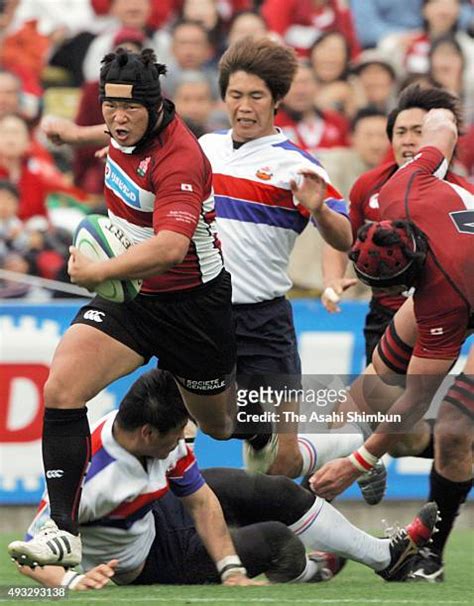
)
(99, 239)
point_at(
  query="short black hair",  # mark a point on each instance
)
(416, 96)
(153, 399)
(446, 39)
(6, 185)
(193, 23)
(369, 111)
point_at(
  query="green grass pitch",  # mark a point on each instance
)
(356, 585)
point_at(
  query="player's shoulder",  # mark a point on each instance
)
(376, 177)
(460, 181)
(292, 152)
(213, 142)
(178, 149)
(369, 184)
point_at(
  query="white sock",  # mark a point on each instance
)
(319, 448)
(308, 573)
(323, 528)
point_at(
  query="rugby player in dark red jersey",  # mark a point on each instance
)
(404, 125)
(158, 190)
(431, 250)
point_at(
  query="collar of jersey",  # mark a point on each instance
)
(278, 137)
(122, 148)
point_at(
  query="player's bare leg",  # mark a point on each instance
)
(85, 362)
(288, 461)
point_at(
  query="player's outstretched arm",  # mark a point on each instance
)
(208, 517)
(439, 130)
(423, 379)
(62, 131)
(56, 576)
(333, 266)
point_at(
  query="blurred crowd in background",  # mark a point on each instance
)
(355, 58)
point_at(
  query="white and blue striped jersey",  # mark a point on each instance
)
(115, 517)
(258, 219)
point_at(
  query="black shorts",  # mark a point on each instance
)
(190, 332)
(376, 321)
(267, 349)
(178, 556)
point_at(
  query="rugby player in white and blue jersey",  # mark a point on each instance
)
(148, 515)
(266, 190)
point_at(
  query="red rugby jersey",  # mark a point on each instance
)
(444, 210)
(167, 186)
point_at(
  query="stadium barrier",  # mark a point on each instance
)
(29, 333)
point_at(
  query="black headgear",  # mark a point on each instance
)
(127, 76)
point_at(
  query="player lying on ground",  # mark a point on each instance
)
(154, 518)
(434, 252)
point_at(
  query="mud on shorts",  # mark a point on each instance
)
(190, 332)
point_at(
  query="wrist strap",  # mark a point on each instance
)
(71, 579)
(232, 569)
(229, 565)
(362, 459)
(231, 559)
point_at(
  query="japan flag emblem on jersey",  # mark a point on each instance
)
(186, 187)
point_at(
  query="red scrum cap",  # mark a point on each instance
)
(389, 253)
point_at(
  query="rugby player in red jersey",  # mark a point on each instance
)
(432, 250)
(158, 190)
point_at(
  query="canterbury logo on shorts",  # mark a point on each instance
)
(55, 473)
(94, 315)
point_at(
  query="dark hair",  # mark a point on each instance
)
(425, 21)
(274, 63)
(446, 39)
(153, 399)
(416, 96)
(369, 111)
(193, 23)
(324, 36)
(8, 186)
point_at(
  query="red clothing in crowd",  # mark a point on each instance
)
(89, 170)
(328, 129)
(38, 179)
(300, 23)
(162, 11)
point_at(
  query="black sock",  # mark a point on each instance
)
(257, 433)
(66, 455)
(449, 497)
